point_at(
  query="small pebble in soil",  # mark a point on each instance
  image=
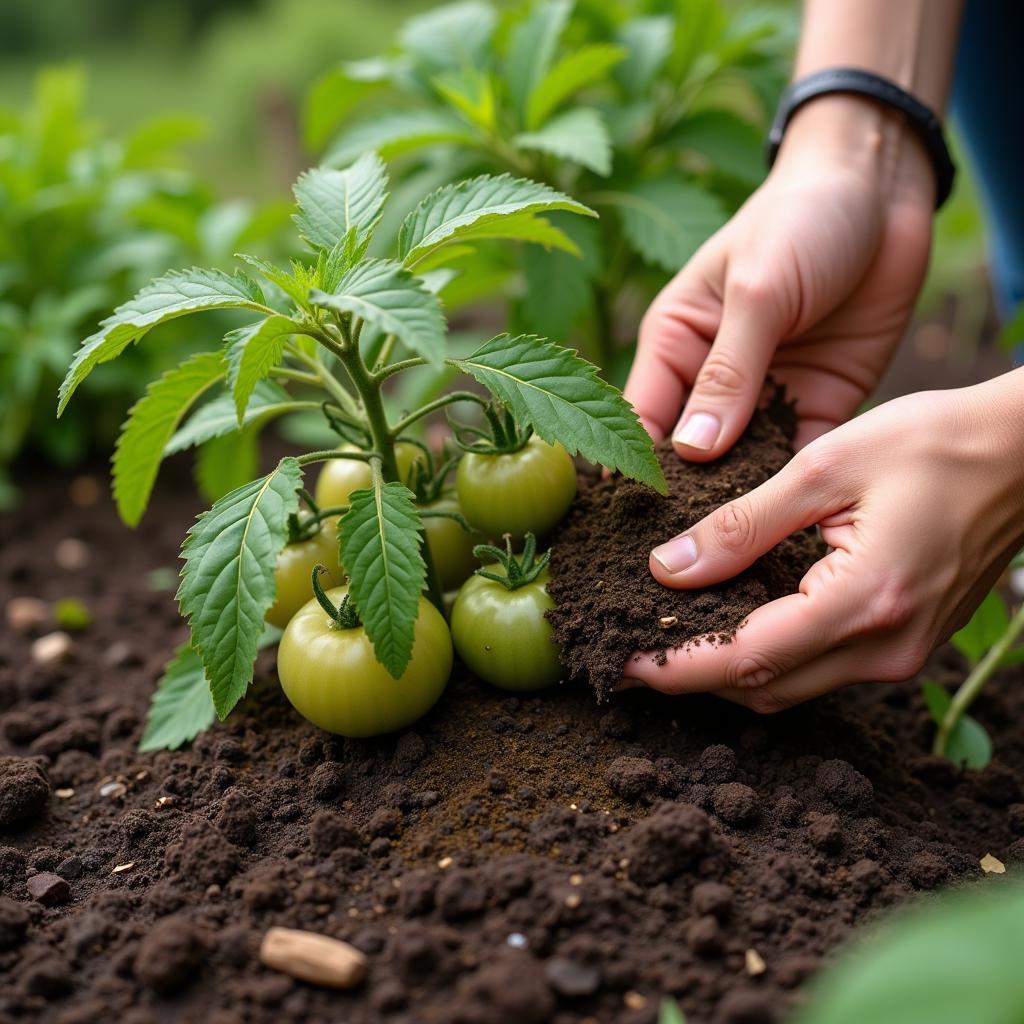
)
(572, 979)
(48, 889)
(52, 648)
(27, 614)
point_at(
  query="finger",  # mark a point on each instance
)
(728, 386)
(777, 639)
(731, 538)
(674, 338)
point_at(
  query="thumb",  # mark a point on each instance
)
(728, 386)
(734, 536)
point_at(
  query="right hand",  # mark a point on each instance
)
(812, 281)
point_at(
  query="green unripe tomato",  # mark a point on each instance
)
(528, 491)
(333, 678)
(294, 570)
(340, 477)
(451, 547)
(502, 635)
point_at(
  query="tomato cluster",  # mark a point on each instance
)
(326, 663)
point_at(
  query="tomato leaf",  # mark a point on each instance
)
(380, 547)
(253, 352)
(218, 416)
(484, 204)
(969, 742)
(394, 300)
(561, 396)
(986, 626)
(649, 42)
(182, 707)
(227, 583)
(150, 425)
(176, 294)
(399, 131)
(955, 959)
(291, 285)
(331, 202)
(579, 136)
(454, 35)
(583, 67)
(532, 48)
(337, 92)
(666, 220)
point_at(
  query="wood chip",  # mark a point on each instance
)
(667, 621)
(113, 790)
(445, 862)
(313, 958)
(573, 900)
(754, 963)
(992, 865)
(63, 794)
(575, 879)
(122, 868)
(634, 1000)
(52, 648)
(164, 801)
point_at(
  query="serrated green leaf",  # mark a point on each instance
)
(151, 423)
(986, 626)
(337, 92)
(182, 707)
(451, 36)
(331, 202)
(380, 546)
(394, 300)
(666, 220)
(227, 583)
(292, 286)
(731, 145)
(578, 135)
(227, 462)
(952, 960)
(583, 67)
(399, 131)
(531, 50)
(176, 294)
(451, 214)
(558, 292)
(471, 92)
(648, 41)
(561, 396)
(519, 227)
(218, 416)
(253, 352)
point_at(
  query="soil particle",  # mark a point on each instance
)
(712, 898)
(48, 889)
(632, 778)
(74, 734)
(511, 989)
(170, 956)
(327, 780)
(329, 831)
(735, 803)
(667, 843)
(14, 919)
(571, 978)
(845, 786)
(202, 856)
(746, 1006)
(24, 791)
(608, 537)
(927, 870)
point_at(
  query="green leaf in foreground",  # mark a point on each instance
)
(219, 417)
(331, 202)
(969, 742)
(561, 396)
(151, 424)
(385, 294)
(228, 580)
(452, 213)
(173, 295)
(579, 136)
(182, 707)
(956, 960)
(253, 352)
(380, 547)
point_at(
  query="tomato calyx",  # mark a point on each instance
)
(520, 571)
(343, 616)
(505, 436)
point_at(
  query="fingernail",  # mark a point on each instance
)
(700, 431)
(678, 554)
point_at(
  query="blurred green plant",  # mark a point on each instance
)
(955, 961)
(651, 112)
(84, 220)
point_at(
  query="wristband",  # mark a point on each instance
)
(920, 118)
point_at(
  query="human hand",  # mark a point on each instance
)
(921, 501)
(812, 281)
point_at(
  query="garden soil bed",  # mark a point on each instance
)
(507, 862)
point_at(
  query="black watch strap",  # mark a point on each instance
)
(864, 83)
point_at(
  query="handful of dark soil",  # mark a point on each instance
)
(608, 605)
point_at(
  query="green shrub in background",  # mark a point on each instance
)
(651, 113)
(84, 220)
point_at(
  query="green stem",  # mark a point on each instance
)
(297, 375)
(438, 403)
(384, 354)
(368, 389)
(389, 371)
(334, 453)
(975, 682)
(328, 380)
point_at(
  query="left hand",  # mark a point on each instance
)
(921, 501)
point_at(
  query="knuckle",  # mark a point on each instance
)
(905, 662)
(818, 466)
(734, 527)
(749, 289)
(720, 378)
(765, 702)
(891, 607)
(753, 670)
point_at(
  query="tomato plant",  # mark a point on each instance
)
(329, 335)
(329, 672)
(498, 622)
(340, 477)
(315, 545)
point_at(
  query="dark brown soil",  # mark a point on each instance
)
(608, 604)
(507, 862)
